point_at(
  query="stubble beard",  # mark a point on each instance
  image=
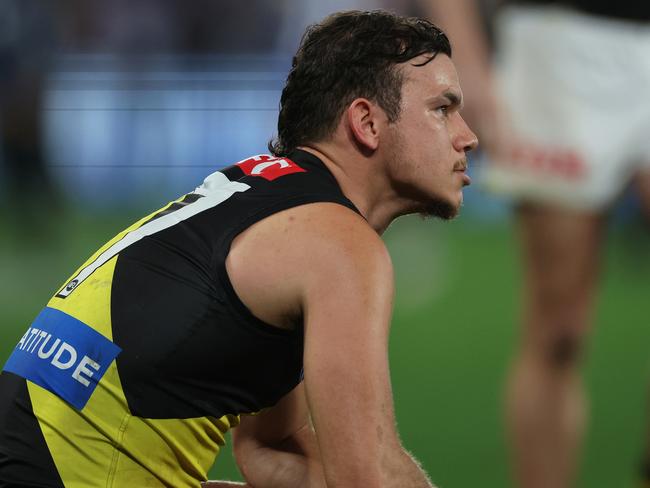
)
(425, 205)
(441, 209)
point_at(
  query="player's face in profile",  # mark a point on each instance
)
(430, 138)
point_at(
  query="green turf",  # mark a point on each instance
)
(453, 332)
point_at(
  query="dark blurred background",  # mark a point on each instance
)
(109, 109)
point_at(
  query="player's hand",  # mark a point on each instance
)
(224, 484)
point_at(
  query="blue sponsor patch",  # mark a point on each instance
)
(63, 355)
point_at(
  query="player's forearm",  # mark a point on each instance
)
(224, 484)
(404, 470)
(267, 467)
(388, 466)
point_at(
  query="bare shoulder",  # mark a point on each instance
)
(343, 250)
(328, 227)
(316, 223)
(278, 261)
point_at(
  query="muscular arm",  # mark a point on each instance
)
(327, 263)
(277, 448)
(224, 484)
(347, 316)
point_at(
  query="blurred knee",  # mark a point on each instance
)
(557, 327)
(558, 344)
(564, 349)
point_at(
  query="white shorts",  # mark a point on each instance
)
(577, 91)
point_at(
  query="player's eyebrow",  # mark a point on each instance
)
(454, 99)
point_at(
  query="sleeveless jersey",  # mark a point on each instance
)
(145, 357)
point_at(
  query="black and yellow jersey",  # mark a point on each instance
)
(145, 357)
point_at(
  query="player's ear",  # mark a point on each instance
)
(363, 120)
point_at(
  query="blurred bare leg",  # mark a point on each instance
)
(546, 408)
(642, 183)
(644, 474)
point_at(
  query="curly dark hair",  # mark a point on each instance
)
(349, 55)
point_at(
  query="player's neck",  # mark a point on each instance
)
(363, 182)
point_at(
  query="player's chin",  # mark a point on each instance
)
(445, 209)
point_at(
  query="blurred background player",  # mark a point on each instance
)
(564, 120)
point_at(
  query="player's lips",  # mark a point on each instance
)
(461, 167)
(466, 179)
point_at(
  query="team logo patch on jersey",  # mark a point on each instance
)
(63, 355)
(269, 167)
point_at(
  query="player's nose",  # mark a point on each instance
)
(466, 141)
